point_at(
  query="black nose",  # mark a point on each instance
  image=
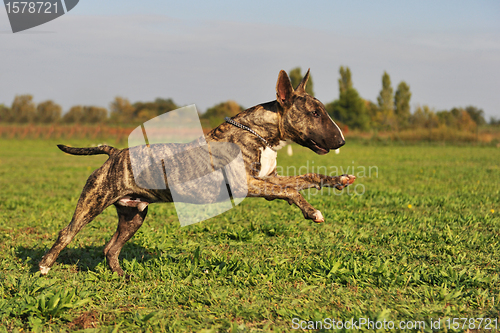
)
(339, 143)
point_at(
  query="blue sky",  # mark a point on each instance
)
(208, 52)
(345, 16)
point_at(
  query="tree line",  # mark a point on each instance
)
(391, 111)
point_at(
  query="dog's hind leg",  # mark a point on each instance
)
(129, 221)
(91, 203)
(83, 215)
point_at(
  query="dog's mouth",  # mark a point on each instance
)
(317, 149)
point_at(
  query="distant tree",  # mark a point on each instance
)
(345, 81)
(455, 112)
(296, 76)
(476, 114)
(385, 115)
(94, 114)
(424, 117)
(494, 121)
(402, 104)
(74, 115)
(372, 111)
(122, 111)
(48, 112)
(385, 98)
(350, 108)
(5, 114)
(86, 114)
(216, 114)
(145, 115)
(447, 118)
(465, 122)
(23, 109)
(147, 110)
(165, 105)
(461, 119)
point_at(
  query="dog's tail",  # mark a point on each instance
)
(104, 149)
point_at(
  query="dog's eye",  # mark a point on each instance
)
(315, 114)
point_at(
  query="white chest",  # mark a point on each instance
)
(268, 159)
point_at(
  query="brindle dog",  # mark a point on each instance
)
(294, 116)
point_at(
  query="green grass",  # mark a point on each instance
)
(418, 240)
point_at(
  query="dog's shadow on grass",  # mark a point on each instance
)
(84, 258)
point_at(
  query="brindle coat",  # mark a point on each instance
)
(294, 116)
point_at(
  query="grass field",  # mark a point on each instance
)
(418, 240)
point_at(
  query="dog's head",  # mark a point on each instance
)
(303, 119)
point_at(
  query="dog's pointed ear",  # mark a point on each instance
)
(284, 89)
(301, 88)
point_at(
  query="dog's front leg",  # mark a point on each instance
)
(262, 188)
(311, 180)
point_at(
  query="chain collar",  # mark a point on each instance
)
(246, 128)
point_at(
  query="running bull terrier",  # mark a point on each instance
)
(259, 132)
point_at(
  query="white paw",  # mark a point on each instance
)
(347, 179)
(318, 217)
(44, 270)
